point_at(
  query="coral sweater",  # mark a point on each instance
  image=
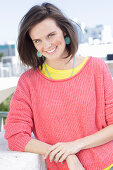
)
(62, 111)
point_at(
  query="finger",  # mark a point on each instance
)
(54, 154)
(63, 157)
(48, 152)
(51, 149)
(58, 156)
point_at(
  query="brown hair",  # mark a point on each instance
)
(36, 14)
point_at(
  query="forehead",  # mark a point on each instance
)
(44, 28)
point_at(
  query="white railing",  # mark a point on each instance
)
(12, 160)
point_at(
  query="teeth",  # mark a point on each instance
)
(51, 50)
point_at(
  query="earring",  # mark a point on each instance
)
(39, 54)
(67, 40)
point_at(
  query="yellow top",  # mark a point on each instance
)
(61, 74)
(108, 168)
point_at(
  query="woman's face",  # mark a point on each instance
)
(48, 39)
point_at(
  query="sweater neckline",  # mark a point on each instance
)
(62, 80)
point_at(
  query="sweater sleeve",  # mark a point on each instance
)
(19, 123)
(108, 95)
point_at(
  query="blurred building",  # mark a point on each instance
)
(10, 60)
(107, 34)
(8, 48)
(9, 66)
(93, 35)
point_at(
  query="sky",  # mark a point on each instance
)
(90, 12)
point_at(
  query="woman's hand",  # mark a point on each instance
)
(74, 163)
(60, 151)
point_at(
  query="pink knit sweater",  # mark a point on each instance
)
(62, 111)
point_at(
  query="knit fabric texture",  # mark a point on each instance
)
(63, 111)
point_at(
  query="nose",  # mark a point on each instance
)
(46, 45)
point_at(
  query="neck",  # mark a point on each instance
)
(61, 64)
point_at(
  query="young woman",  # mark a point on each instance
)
(65, 100)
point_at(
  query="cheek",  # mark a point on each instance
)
(59, 42)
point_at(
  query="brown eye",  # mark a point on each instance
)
(37, 41)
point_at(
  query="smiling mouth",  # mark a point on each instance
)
(51, 51)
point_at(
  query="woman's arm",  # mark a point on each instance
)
(99, 138)
(62, 150)
(36, 146)
(74, 163)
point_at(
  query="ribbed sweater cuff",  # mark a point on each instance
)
(20, 144)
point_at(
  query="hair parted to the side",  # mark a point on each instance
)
(35, 15)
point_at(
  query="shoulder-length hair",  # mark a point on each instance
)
(26, 49)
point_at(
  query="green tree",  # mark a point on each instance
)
(1, 55)
(5, 105)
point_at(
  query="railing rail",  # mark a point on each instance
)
(3, 114)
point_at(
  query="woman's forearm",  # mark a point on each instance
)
(36, 146)
(74, 163)
(99, 138)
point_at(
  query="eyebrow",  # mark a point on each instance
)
(47, 35)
